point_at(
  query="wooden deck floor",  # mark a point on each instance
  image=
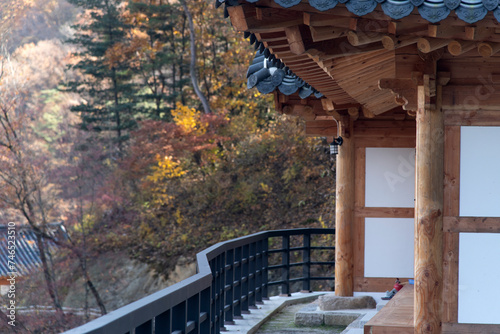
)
(396, 317)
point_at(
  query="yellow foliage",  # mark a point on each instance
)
(189, 119)
(86, 224)
(178, 217)
(166, 169)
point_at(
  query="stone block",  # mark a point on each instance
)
(332, 303)
(340, 319)
(309, 319)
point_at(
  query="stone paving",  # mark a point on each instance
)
(283, 323)
(276, 316)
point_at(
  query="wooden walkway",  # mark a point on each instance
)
(396, 317)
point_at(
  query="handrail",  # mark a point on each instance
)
(232, 278)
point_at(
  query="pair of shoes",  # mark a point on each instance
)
(389, 294)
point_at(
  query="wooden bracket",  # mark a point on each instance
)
(345, 126)
(329, 108)
(405, 91)
(353, 113)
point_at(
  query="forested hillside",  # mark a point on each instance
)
(131, 123)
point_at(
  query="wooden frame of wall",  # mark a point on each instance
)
(375, 133)
(453, 224)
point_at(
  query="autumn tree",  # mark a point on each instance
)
(105, 85)
(30, 125)
(22, 178)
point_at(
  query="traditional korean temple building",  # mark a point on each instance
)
(26, 257)
(413, 89)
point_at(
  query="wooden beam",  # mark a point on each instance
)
(445, 31)
(294, 37)
(487, 50)
(321, 128)
(319, 34)
(429, 214)
(464, 99)
(344, 215)
(400, 28)
(265, 23)
(456, 328)
(321, 20)
(340, 47)
(363, 38)
(392, 42)
(238, 19)
(458, 47)
(427, 45)
(472, 224)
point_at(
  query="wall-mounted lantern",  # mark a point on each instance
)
(334, 146)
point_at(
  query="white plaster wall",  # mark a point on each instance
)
(389, 247)
(390, 177)
(480, 171)
(478, 277)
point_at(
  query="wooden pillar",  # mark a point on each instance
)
(429, 212)
(344, 212)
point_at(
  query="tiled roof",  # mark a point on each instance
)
(27, 256)
(268, 73)
(433, 11)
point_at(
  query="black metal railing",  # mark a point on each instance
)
(233, 277)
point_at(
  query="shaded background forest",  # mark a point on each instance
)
(101, 128)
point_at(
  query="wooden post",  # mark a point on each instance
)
(344, 212)
(429, 213)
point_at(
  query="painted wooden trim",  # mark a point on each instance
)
(386, 132)
(384, 212)
(360, 175)
(450, 276)
(359, 248)
(451, 207)
(385, 142)
(455, 328)
(472, 224)
(359, 222)
(364, 138)
(451, 171)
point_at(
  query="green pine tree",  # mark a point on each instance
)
(105, 83)
(160, 58)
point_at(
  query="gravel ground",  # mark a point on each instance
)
(283, 323)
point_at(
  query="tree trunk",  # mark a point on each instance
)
(192, 68)
(49, 279)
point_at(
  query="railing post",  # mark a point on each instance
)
(221, 262)
(285, 260)
(193, 313)
(179, 317)
(228, 286)
(244, 280)
(306, 267)
(163, 323)
(145, 328)
(252, 257)
(258, 272)
(237, 283)
(205, 311)
(265, 268)
(214, 326)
